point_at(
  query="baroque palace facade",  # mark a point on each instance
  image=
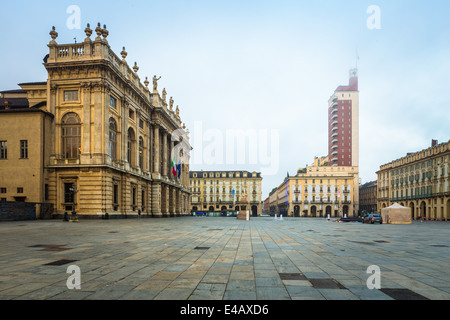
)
(98, 140)
(225, 192)
(420, 180)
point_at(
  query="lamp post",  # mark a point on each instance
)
(73, 217)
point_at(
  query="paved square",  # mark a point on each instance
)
(206, 258)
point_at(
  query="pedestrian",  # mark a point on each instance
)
(139, 213)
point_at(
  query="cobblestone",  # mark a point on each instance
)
(204, 258)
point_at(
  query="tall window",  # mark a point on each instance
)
(133, 197)
(3, 150)
(24, 149)
(112, 102)
(141, 153)
(113, 139)
(130, 146)
(143, 199)
(115, 196)
(71, 136)
(69, 193)
(71, 95)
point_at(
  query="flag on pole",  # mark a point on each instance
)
(179, 168)
(174, 171)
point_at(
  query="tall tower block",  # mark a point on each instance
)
(343, 124)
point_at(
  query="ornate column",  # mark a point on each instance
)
(124, 130)
(156, 192)
(138, 135)
(98, 123)
(171, 158)
(165, 146)
(149, 148)
(166, 211)
(156, 150)
(52, 109)
(175, 202)
(178, 202)
(85, 156)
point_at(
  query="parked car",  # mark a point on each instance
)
(373, 218)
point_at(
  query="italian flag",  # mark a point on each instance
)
(174, 170)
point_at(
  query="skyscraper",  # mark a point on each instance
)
(343, 124)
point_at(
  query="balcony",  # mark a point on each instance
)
(334, 123)
(335, 116)
(334, 135)
(333, 154)
(334, 104)
(335, 141)
(334, 147)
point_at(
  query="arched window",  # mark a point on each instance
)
(130, 146)
(113, 139)
(141, 153)
(71, 136)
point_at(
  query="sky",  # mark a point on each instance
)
(264, 69)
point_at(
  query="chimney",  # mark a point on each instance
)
(434, 143)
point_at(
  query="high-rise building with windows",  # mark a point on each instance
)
(330, 187)
(343, 124)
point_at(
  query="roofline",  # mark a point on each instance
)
(26, 110)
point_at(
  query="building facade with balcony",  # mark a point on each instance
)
(368, 197)
(222, 192)
(420, 180)
(108, 141)
(317, 191)
(343, 124)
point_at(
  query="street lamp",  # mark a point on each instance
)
(74, 217)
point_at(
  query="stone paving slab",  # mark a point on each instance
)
(212, 258)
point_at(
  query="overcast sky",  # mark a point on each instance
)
(267, 67)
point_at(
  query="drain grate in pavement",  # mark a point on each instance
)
(201, 248)
(59, 262)
(292, 276)
(326, 284)
(50, 247)
(363, 242)
(403, 294)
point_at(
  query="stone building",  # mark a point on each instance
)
(99, 140)
(221, 192)
(316, 191)
(368, 197)
(420, 180)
